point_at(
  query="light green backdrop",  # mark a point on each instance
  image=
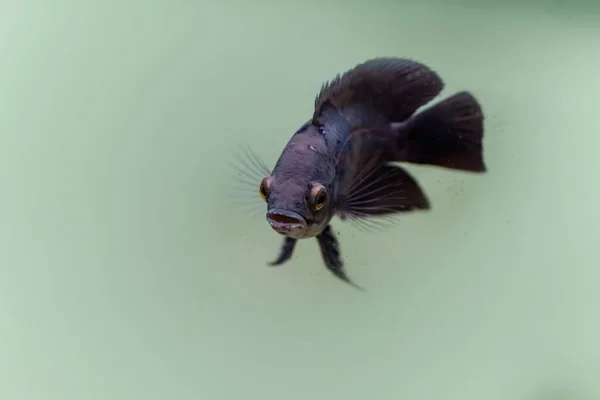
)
(126, 274)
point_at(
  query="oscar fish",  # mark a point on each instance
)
(341, 162)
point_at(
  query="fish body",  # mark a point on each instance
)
(339, 161)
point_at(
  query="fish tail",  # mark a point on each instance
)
(449, 135)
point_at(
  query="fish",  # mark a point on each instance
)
(344, 160)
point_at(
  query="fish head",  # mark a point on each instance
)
(299, 192)
(295, 207)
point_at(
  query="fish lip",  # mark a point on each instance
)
(285, 221)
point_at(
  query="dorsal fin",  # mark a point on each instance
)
(392, 87)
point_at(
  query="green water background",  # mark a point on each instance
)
(126, 274)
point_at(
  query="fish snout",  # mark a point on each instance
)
(286, 222)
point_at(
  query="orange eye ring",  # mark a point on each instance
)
(321, 200)
(262, 191)
(320, 196)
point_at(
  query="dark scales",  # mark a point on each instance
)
(369, 113)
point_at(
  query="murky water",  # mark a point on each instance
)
(126, 274)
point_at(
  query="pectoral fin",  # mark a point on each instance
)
(370, 185)
(384, 189)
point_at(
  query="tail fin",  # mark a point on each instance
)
(448, 135)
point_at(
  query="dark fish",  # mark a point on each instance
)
(339, 162)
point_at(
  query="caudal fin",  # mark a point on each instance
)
(448, 135)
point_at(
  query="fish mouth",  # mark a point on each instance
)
(284, 221)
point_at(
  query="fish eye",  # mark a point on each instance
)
(321, 200)
(262, 191)
(319, 196)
